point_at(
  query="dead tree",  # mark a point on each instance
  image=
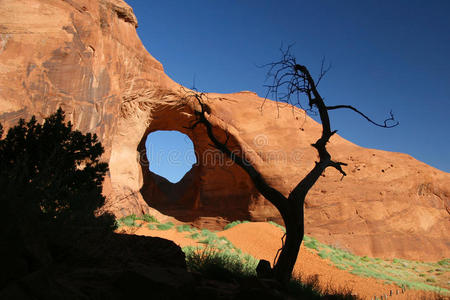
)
(291, 81)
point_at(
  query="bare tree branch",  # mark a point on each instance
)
(323, 71)
(202, 117)
(384, 125)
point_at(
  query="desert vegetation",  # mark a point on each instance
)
(216, 257)
(408, 274)
(231, 266)
(51, 180)
(130, 220)
(51, 176)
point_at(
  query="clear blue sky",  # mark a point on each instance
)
(384, 54)
(170, 154)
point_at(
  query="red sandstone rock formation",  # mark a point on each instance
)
(86, 57)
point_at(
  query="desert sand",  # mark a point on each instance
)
(262, 240)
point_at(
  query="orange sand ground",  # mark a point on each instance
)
(262, 240)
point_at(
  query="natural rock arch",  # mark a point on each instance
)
(89, 60)
(200, 197)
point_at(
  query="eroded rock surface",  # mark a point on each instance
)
(86, 57)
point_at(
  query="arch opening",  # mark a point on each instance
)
(170, 154)
(208, 191)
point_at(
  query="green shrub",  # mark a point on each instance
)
(129, 221)
(444, 262)
(212, 240)
(311, 244)
(208, 240)
(51, 186)
(307, 289)
(206, 232)
(51, 176)
(194, 236)
(323, 254)
(165, 226)
(220, 264)
(148, 218)
(185, 228)
(151, 226)
(237, 249)
(52, 171)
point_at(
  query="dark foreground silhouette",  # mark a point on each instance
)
(54, 246)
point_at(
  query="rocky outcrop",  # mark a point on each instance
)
(98, 266)
(86, 57)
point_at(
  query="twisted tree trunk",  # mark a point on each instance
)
(295, 228)
(291, 208)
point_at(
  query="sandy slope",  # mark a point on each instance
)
(262, 240)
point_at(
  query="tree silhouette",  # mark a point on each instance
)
(51, 180)
(291, 82)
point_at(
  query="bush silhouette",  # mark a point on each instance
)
(51, 181)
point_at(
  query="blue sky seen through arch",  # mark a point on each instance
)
(170, 154)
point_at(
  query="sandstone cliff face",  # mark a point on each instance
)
(86, 57)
